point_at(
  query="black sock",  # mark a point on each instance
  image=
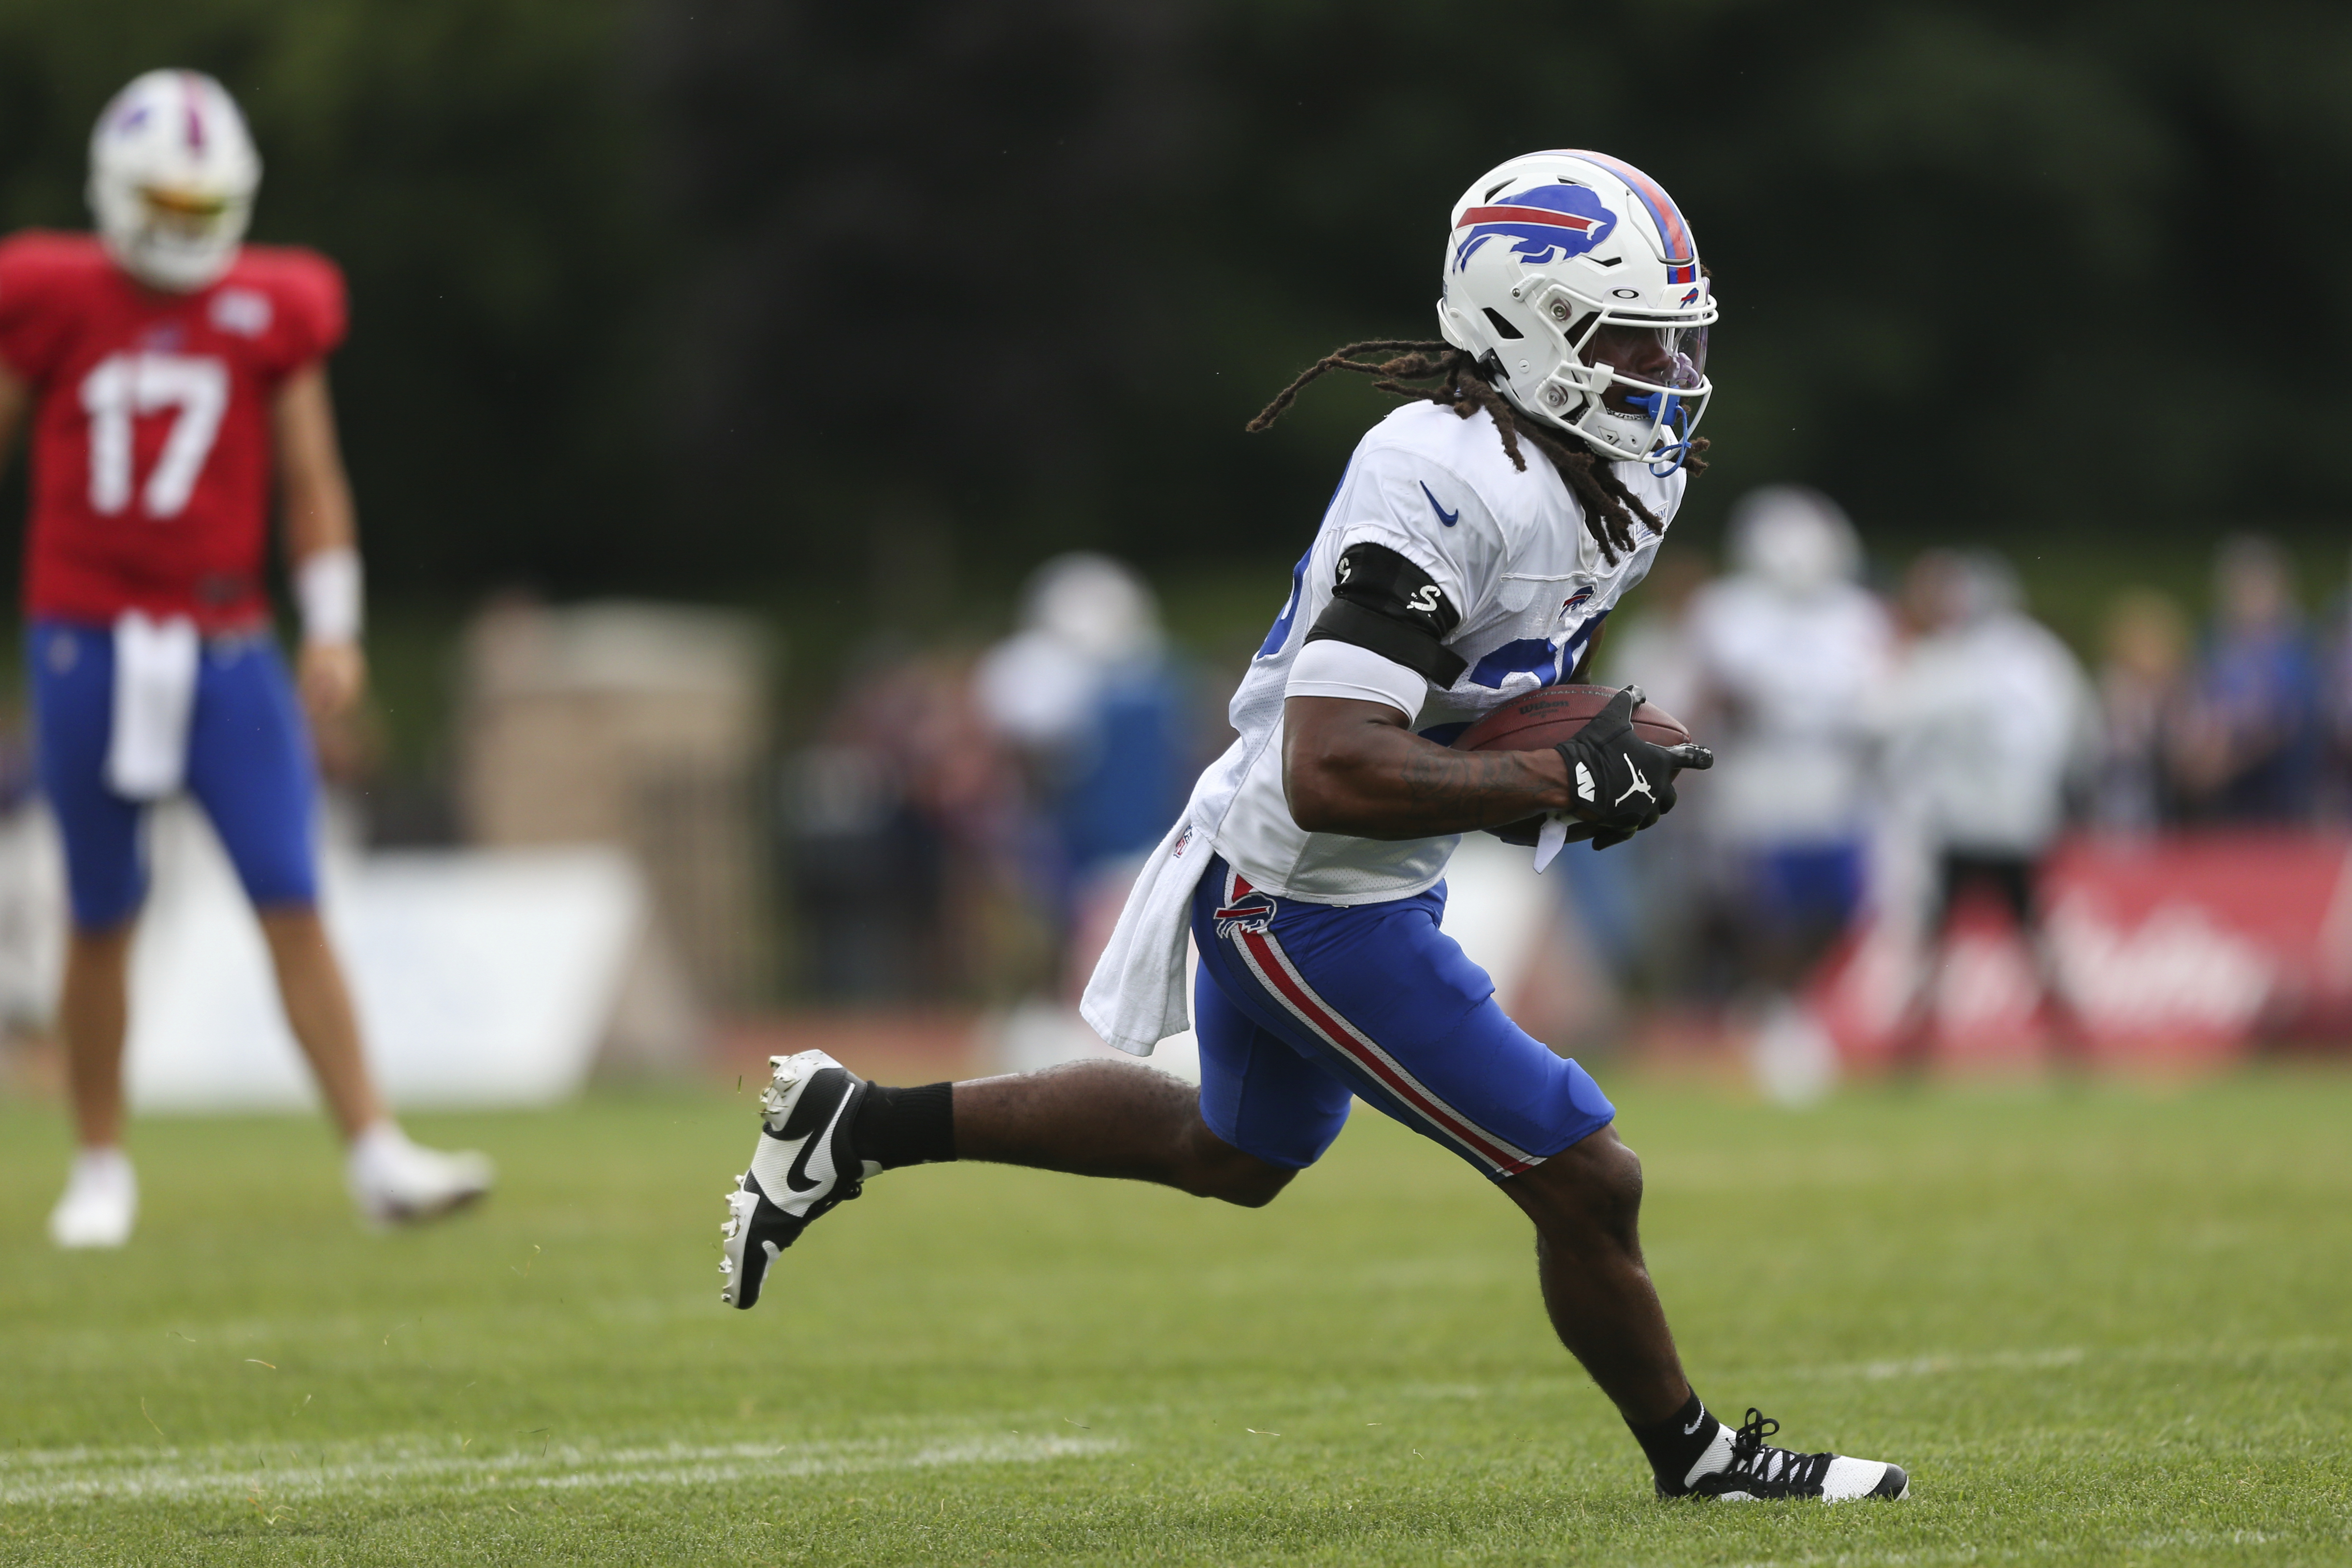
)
(1674, 1445)
(905, 1126)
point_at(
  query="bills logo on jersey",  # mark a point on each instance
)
(1582, 595)
(1250, 913)
(245, 311)
(1550, 223)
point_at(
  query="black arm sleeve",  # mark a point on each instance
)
(1387, 605)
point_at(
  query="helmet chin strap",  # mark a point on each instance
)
(1666, 413)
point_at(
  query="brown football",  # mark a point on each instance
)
(1546, 717)
(1550, 715)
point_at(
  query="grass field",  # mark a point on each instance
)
(2105, 1326)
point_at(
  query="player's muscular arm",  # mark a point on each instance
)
(319, 519)
(1356, 768)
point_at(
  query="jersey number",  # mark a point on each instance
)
(123, 387)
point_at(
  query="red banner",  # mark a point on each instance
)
(2180, 949)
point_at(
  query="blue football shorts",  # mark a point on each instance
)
(1298, 1007)
(249, 766)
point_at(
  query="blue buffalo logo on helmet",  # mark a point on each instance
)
(1550, 223)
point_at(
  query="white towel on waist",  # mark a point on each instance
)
(154, 693)
(1135, 998)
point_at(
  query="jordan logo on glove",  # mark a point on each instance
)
(1609, 761)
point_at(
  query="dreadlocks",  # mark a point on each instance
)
(1609, 507)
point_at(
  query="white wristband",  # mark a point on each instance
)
(327, 587)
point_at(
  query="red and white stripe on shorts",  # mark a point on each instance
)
(1281, 980)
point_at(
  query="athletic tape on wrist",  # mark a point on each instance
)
(327, 587)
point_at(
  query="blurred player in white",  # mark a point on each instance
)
(1987, 720)
(1792, 654)
(1086, 693)
(171, 373)
(1479, 536)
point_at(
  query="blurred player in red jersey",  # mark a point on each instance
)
(171, 373)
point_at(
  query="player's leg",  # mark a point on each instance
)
(1586, 1204)
(1260, 1115)
(1108, 1118)
(319, 1010)
(1914, 1022)
(2020, 884)
(249, 765)
(1381, 998)
(72, 670)
(94, 1018)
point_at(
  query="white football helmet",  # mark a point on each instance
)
(1573, 278)
(172, 176)
(1793, 538)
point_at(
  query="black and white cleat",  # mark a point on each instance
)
(1742, 1467)
(802, 1168)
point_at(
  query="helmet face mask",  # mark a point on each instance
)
(1646, 387)
(172, 177)
(1572, 278)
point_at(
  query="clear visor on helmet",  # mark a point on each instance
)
(1657, 374)
(185, 214)
(1643, 360)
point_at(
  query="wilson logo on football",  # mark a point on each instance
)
(1550, 223)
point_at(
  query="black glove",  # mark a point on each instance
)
(1623, 783)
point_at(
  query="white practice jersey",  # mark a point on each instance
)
(1510, 553)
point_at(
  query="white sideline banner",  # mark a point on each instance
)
(482, 977)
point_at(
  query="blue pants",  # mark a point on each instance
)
(1299, 1006)
(249, 766)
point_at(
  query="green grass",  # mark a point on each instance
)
(2110, 1326)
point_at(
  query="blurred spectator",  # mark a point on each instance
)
(1986, 717)
(1791, 655)
(2336, 694)
(2142, 688)
(2248, 747)
(1086, 693)
(907, 833)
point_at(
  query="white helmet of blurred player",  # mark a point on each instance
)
(172, 176)
(1096, 606)
(1573, 279)
(1794, 538)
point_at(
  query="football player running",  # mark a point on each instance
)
(171, 373)
(1479, 536)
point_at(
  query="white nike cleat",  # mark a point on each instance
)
(1740, 1467)
(803, 1167)
(100, 1201)
(395, 1181)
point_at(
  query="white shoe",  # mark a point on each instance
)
(801, 1169)
(395, 1181)
(100, 1202)
(1740, 1466)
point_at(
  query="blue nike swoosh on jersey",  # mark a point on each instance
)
(1448, 518)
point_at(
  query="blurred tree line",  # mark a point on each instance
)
(780, 299)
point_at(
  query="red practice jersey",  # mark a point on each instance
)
(152, 452)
